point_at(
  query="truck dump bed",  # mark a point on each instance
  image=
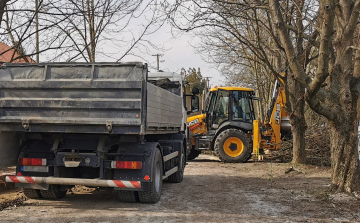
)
(85, 98)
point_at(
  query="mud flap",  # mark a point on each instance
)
(136, 152)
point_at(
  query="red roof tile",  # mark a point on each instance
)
(6, 53)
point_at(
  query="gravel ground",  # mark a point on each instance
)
(210, 192)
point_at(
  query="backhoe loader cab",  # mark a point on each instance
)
(228, 125)
(229, 104)
(225, 125)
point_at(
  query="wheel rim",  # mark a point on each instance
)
(233, 147)
(157, 177)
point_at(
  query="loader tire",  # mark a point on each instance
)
(154, 193)
(53, 192)
(232, 146)
(32, 193)
(179, 175)
(128, 196)
(193, 154)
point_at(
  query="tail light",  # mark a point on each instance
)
(126, 165)
(32, 162)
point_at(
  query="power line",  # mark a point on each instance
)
(173, 61)
(170, 66)
(173, 64)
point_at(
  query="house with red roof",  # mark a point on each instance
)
(10, 55)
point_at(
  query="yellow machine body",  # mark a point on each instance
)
(266, 135)
(196, 124)
(276, 122)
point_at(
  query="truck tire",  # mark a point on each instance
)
(232, 146)
(32, 193)
(54, 192)
(193, 154)
(154, 193)
(179, 175)
(128, 196)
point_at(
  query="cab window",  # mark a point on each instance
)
(211, 100)
(221, 108)
(242, 109)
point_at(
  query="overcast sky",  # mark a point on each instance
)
(179, 54)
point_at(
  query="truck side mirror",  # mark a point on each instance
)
(194, 103)
(195, 90)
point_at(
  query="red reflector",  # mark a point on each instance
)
(147, 177)
(127, 165)
(19, 174)
(32, 162)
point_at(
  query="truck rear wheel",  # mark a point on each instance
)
(154, 193)
(179, 175)
(54, 192)
(32, 193)
(128, 196)
(232, 145)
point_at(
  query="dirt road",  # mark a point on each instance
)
(211, 192)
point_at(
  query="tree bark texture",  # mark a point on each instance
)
(344, 156)
(297, 120)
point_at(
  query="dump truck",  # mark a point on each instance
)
(228, 125)
(103, 125)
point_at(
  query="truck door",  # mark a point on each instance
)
(220, 110)
(210, 108)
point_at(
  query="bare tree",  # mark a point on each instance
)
(20, 30)
(250, 36)
(333, 91)
(86, 30)
(236, 62)
(2, 9)
(94, 22)
(319, 42)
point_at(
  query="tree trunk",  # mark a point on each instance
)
(297, 119)
(298, 131)
(344, 156)
(298, 123)
(2, 9)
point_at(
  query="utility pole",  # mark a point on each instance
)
(207, 82)
(37, 29)
(158, 60)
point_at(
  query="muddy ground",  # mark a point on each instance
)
(211, 192)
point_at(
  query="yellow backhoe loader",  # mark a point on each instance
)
(228, 125)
